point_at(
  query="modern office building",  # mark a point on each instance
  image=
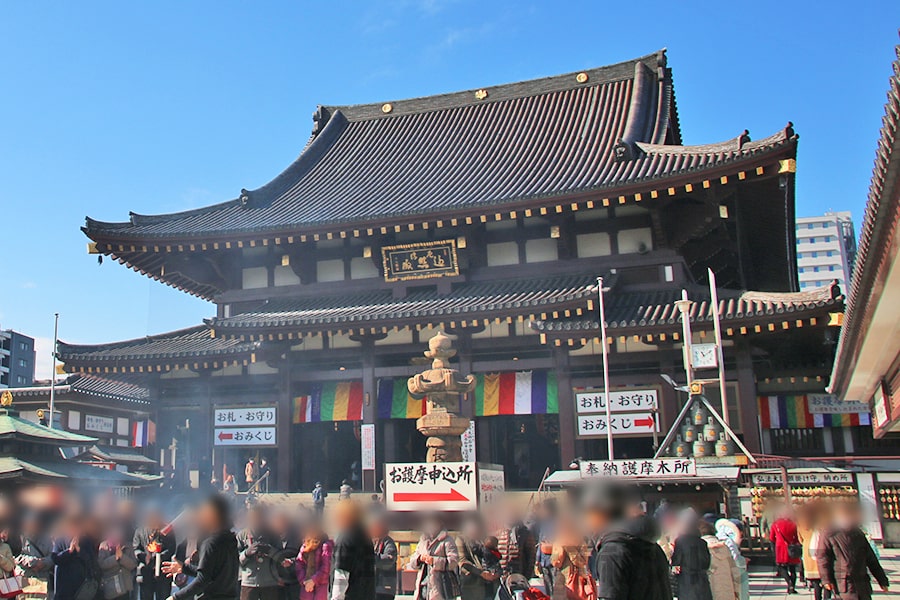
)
(826, 250)
(16, 359)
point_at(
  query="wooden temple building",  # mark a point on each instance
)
(487, 214)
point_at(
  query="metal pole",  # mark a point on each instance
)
(609, 435)
(684, 306)
(53, 372)
(717, 326)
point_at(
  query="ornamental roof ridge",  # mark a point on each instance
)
(495, 93)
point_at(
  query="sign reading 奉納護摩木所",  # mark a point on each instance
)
(658, 468)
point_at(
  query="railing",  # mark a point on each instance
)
(255, 486)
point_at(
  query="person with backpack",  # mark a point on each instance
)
(318, 497)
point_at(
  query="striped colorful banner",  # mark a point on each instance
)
(331, 401)
(516, 393)
(394, 401)
(792, 412)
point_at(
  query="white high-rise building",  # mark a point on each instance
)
(826, 250)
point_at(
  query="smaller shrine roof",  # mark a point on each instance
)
(194, 342)
(12, 468)
(127, 456)
(116, 389)
(16, 428)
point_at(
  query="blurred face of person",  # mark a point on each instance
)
(155, 520)
(31, 527)
(431, 527)
(345, 515)
(472, 530)
(378, 529)
(208, 518)
(255, 520)
(596, 520)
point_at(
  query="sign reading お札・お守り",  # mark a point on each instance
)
(592, 401)
(254, 416)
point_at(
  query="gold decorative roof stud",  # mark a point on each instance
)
(481, 94)
(386, 108)
(581, 77)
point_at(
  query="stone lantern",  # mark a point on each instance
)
(443, 388)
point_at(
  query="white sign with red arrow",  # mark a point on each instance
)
(622, 424)
(245, 436)
(431, 486)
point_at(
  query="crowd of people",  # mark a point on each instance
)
(602, 545)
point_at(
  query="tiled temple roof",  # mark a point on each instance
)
(185, 346)
(877, 246)
(93, 385)
(493, 299)
(642, 310)
(500, 148)
(12, 427)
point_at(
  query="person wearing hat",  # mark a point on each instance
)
(729, 532)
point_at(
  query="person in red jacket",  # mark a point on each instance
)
(788, 550)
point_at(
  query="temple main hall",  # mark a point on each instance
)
(486, 214)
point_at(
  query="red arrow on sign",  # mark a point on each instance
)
(451, 496)
(225, 436)
(648, 422)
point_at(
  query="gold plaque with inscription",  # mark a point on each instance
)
(420, 261)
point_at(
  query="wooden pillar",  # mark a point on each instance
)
(747, 398)
(464, 354)
(370, 411)
(284, 452)
(566, 405)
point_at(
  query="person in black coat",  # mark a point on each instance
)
(385, 559)
(630, 565)
(152, 548)
(690, 561)
(218, 565)
(75, 558)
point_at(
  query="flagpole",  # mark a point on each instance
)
(53, 372)
(717, 326)
(605, 350)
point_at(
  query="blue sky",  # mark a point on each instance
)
(110, 107)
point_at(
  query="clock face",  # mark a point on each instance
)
(704, 356)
